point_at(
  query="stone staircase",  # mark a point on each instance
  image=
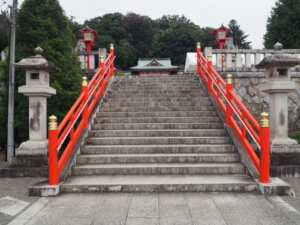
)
(157, 133)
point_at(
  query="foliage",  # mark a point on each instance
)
(110, 26)
(140, 31)
(137, 36)
(43, 23)
(4, 30)
(177, 36)
(3, 103)
(239, 37)
(126, 54)
(284, 24)
(295, 135)
(75, 28)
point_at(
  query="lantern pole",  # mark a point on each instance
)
(11, 85)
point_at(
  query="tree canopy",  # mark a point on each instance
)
(137, 36)
(284, 24)
(4, 30)
(238, 35)
(43, 23)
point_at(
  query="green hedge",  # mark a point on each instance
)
(295, 135)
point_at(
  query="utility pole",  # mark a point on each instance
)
(11, 85)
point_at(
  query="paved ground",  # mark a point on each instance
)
(17, 208)
(163, 209)
(295, 202)
(144, 209)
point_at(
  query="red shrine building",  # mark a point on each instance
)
(156, 66)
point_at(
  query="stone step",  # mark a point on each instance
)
(155, 133)
(155, 149)
(164, 88)
(168, 91)
(157, 140)
(155, 84)
(158, 158)
(116, 96)
(160, 183)
(157, 104)
(156, 109)
(161, 168)
(158, 120)
(158, 114)
(157, 99)
(143, 126)
(156, 78)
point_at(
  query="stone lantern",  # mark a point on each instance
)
(278, 85)
(37, 88)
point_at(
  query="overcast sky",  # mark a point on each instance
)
(251, 14)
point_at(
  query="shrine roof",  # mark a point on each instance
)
(154, 64)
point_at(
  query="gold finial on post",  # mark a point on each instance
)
(111, 46)
(84, 81)
(264, 120)
(198, 45)
(229, 79)
(52, 125)
(209, 58)
(102, 59)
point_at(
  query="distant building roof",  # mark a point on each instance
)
(154, 64)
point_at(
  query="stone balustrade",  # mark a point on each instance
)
(245, 60)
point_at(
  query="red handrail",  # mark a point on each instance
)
(238, 116)
(67, 133)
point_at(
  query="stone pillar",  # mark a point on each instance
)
(207, 51)
(248, 60)
(278, 85)
(219, 61)
(92, 62)
(37, 88)
(228, 61)
(238, 62)
(257, 58)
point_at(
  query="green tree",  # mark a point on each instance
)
(3, 103)
(75, 28)
(126, 55)
(43, 23)
(284, 24)
(111, 25)
(4, 30)
(207, 39)
(140, 31)
(239, 37)
(178, 36)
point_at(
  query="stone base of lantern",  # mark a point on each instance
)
(285, 160)
(30, 147)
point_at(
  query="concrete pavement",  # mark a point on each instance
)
(160, 209)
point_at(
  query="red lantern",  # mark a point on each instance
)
(221, 36)
(88, 39)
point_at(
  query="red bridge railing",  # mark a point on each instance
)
(62, 138)
(237, 116)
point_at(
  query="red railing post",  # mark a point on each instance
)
(198, 58)
(85, 112)
(209, 70)
(52, 154)
(112, 53)
(102, 69)
(229, 87)
(264, 173)
(89, 48)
